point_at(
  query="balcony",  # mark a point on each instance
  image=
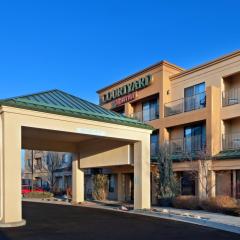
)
(188, 145)
(186, 104)
(231, 97)
(146, 115)
(231, 141)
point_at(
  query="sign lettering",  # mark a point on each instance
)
(119, 101)
(127, 89)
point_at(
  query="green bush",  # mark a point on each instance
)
(38, 195)
(186, 202)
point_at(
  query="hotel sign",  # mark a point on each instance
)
(124, 99)
(127, 89)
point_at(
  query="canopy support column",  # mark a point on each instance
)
(77, 180)
(142, 193)
(10, 173)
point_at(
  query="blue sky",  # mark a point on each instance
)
(82, 46)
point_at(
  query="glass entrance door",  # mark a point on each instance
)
(238, 184)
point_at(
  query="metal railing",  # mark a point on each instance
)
(146, 115)
(187, 145)
(231, 141)
(231, 97)
(185, 104)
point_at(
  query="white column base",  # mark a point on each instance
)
(13, 224)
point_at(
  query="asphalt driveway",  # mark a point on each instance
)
(50, 222)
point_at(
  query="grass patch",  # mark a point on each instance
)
(38, 195)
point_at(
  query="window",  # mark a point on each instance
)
(194, 97)
(238, 184)
(29, 164)
(150, 110)
(67, 158)
(38, 163)
(120, 110)
(187, 184)
(67, 181)
(38, 182)
(224, 183)
(154, 140)
(195, 138)
(58, 186)
(111, 183)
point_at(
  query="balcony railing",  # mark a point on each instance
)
(146, 115)
(187, 145)
(185, 104)
(231, 97)
(231, 141)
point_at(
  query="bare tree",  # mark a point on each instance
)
(30, 167)
(52, 162)
(200, 163)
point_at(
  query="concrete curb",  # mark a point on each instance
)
(201, 222)
(161, 215)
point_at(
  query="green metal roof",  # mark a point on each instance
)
(61, 103)
(181, 157)
(228, 154)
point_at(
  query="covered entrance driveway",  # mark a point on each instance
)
(58, 121)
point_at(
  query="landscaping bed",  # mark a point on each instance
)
(219, 204)
(38, 195)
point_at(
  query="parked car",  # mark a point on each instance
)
(27, 189)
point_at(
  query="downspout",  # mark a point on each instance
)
(32, 171)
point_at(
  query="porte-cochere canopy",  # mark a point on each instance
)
(62, 103)
(58, 121)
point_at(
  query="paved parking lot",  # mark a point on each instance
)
(47, 221)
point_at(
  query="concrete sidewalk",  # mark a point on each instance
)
(199, 214)
(203, 218)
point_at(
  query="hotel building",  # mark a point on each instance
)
(193, 111)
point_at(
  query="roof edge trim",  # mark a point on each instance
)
(158, 64)
(205, 65)
(51, 109)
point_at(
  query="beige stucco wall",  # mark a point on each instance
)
(232, 126)
(177, 132)
(232, 81)
(212, 75)
(122, 156)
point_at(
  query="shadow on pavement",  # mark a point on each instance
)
(61, 222)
